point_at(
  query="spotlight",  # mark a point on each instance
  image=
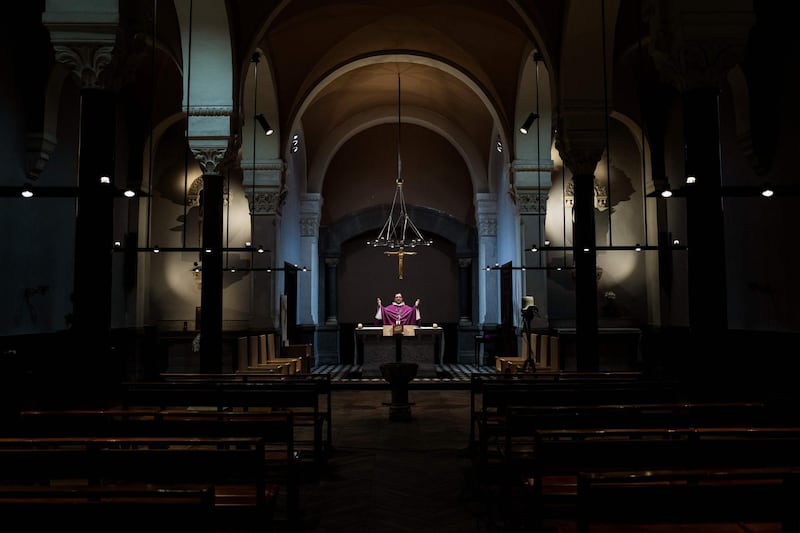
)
(264, 124)
(129, 193)
(528, 123)
(691, 179)
(767, 191)
(260, 249)
(248, 244)
(27, 191)
(638, 247)
(105, 179)
(156, 249)
(117, 244)
(676, 242)
(666, 193)
(534, 248)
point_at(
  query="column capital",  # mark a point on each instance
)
(694, 46)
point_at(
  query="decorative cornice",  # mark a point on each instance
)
(209, 111)
(600, 196)
(309, 226)
(532, 203)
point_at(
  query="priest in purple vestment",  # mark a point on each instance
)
(398, 313)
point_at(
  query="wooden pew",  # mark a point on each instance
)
(322, 381)
(234, 466)
(689, 496)
(275, 429)
(307, 398)
(101, 508)
(490, 393)
(544, 477)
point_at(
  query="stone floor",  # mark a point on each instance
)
(415, 476)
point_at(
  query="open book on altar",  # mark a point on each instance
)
(397, 329)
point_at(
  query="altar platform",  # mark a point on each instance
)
(417, 344)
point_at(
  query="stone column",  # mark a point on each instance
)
(86, 49)
(211, 292)
(581, 147)
(308, 286)
(489, 284)
(464, 291)
(262, 187)
(694, 48)
(331, 290)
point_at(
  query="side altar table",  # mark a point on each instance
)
(417, 344)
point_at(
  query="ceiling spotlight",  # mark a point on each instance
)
(676, 242)
(260, 249)
(248, 244)
(586, 249)
(528, 123)
(117, 244)
(208, 250)
(27, 191)
(690, 179)
(105, 180)
(156, 249)
(666, 193)
(767, 191)
(547, 243)
(534, 248)
(196, 267)
(264, 124)
(638, 247)
(129, 193)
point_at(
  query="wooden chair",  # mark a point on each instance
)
(302, 351)
(267, 344)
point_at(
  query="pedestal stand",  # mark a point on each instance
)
(399, 375)
(527, 315)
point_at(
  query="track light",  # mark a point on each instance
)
(767, 191)
(666, 193)
(27, 191)
(129, 193)
(528, 123)
(638, 247)
(264, 124)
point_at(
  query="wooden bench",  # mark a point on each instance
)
(234, 466)
(322, 381)
(491, 394)
(689, 496)
(100, 508)
(307, 397)
(517, 426)
(276, 429)
(541, 482)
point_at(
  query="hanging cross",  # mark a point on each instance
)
(400, 253)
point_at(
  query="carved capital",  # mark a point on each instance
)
(695, 47)
(211, 160)
(86, 61)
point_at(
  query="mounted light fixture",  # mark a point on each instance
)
(528, 123)
(27, 191)
(264, 124)
(399, 232)
(767, 191)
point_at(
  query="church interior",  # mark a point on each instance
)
(585, 205)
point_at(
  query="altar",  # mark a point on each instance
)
(425, 347)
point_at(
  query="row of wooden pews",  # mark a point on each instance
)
(307, 396)
(226, 479)
(565, 448)
(236, 440)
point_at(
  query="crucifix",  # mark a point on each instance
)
(400, 253)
